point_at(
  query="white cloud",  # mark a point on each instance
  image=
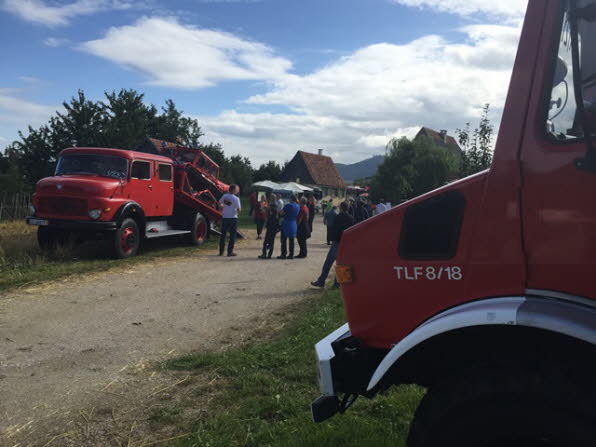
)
(17, 113)
(374, 141)
(353, 106)
(31, 80)
(506, 9)
(18, 110)
(56, 41)
(51, 14)
(181, 56)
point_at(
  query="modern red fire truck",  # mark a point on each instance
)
(484, 291)
(127, 196)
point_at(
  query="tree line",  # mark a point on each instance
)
(121, 120)
(413, 167)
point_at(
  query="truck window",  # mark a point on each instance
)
(92, 164)
(563, 122)
(431, 228)
(141, 170)
(165, 172)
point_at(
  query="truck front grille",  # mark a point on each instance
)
(66, 206)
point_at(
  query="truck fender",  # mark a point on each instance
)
(131, 209)
(484, 312)
(564, 317)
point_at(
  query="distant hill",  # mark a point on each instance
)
(362, 169)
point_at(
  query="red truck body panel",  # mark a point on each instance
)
(528, 221)
(559, 217)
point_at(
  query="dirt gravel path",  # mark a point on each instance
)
(64, 346)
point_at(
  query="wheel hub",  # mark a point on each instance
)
(128, 239)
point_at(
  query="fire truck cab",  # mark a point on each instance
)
(483, 291)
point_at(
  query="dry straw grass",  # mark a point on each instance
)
(17, 240)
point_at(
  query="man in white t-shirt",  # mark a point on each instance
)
(280, 203)
(229, 224)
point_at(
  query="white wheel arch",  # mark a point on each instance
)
(568, 317)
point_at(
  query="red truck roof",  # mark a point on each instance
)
(131, 155)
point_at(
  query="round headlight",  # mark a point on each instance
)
(31, 209)
(94, 214)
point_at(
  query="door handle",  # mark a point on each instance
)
(151, 187)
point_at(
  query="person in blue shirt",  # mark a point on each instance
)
(289, 227)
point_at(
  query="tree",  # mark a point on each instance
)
(477, 152)
(411, 168)
(268, 171)
(82, 124)
(171, 125)
(238, 170)
(122, 120)
(11, 179)
(216, 153)
(128, 119)
(362, 182)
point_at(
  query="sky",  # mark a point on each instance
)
(266, 78)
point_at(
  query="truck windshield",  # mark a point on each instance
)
(92, 164)
(564, 122)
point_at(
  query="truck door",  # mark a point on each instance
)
(140, 187)
(558, 211)
(163, 188)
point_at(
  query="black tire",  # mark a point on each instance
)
(199, 230)
(46, 238)
(510, 407)
(127, 239)
(50, 238)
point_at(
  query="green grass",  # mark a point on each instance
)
(244, 220)
(23, 264)
(265, 390)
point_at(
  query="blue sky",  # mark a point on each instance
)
(266, 77)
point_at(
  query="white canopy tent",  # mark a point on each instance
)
(293, 186)
(265, 184)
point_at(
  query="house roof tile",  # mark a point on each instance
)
(447, 141)
(322, 169)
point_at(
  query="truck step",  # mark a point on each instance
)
(152, 235)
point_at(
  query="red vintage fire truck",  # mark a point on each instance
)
(127, 196)
(484, 291)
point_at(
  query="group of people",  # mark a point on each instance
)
(294, 221)
(359, 209)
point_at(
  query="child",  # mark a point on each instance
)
(272, 229)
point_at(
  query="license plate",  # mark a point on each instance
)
(42, 222)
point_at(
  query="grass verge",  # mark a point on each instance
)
(23, 264)
(262, 392)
